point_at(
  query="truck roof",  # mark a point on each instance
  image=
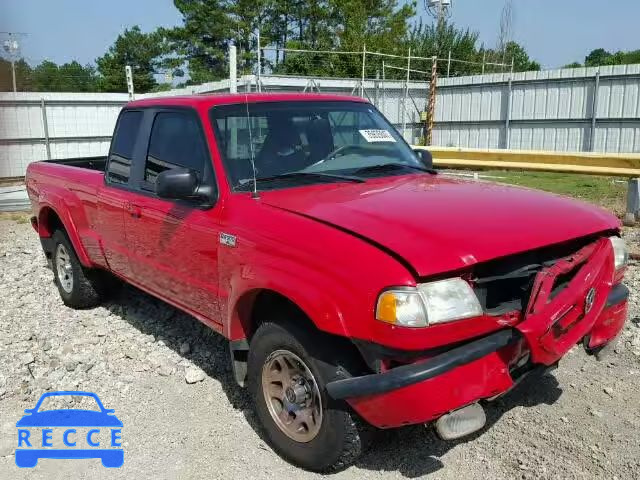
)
(230, 98)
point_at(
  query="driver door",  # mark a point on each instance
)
(173, 243)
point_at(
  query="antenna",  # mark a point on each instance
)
(253, 160)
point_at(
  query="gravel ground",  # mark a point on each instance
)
(168, 379)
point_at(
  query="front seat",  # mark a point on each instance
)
(282, 148)
(320, 139)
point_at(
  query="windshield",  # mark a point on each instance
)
(309, 141)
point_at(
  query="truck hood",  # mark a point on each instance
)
(435, 224)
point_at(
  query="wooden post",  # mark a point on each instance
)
(431, 111)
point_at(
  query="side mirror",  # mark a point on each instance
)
(177, 183)
(425, 158)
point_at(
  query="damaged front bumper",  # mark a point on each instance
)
(588, 310)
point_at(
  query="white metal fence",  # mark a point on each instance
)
(39, 126)
(585, 109)
(564, 110)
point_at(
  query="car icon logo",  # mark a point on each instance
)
(69, 433)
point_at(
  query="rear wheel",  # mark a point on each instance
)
(287, 381)
(79, 287)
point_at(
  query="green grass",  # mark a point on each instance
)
(607, 192)
(18, 217)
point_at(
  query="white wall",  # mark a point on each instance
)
(550, 110)
(79, 124)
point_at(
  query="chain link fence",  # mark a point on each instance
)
(401, 86)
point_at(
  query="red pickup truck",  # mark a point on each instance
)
(358, 288)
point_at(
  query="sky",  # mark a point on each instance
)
(554, 32)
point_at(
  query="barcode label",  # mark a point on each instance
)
(373, 136)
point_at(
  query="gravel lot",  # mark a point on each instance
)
(139, 354)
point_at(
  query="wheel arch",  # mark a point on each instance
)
(50, 220)
(259, 305)
(248, 309)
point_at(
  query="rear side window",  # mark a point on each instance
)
(124, 140)
(176, 141)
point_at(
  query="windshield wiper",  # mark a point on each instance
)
(385, 167)
(294, 175)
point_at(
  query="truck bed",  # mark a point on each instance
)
(91, 163)
(57, 178)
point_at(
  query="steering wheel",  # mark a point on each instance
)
(343, 150)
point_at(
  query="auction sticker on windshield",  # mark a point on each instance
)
(69, 425)
(373, 136)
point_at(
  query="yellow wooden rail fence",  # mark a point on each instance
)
(604, 164)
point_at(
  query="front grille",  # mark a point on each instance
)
(504, 285)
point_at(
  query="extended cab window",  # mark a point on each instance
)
(176, 141)
(124, 139)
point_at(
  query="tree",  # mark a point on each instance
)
(506, 29)
(460, 42)
(598, 57)
(601, 57)
(201, 43)
(345, 26)
(246, 18)
(139, 50)
(76, 78)
(521, 61)
(380, 24)
(23, 76)
(46, 77)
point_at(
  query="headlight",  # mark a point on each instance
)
(620, 252)
(428, 304)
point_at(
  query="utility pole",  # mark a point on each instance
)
(431, 108)
(259, 79)
(12, 47)
(440, 10)
(233, 70)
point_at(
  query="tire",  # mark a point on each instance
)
(79, 287)
(341, 436)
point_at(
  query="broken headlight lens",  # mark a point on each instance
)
(428, 304)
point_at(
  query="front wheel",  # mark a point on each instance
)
(288, 387)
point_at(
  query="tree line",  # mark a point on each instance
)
(197, 50)
(601, 57)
